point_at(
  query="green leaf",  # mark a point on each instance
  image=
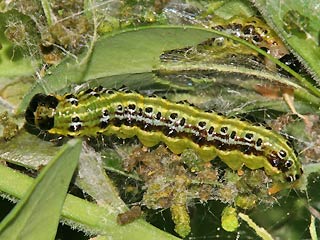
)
(37, 215)
(298, 23)
(131, 51)
(128, 56)
(89, 217)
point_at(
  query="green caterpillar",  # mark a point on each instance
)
(254, 31)
(153, 120)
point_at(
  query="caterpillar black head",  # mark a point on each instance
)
(40, 112)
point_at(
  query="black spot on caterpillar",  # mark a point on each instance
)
(153, 120)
